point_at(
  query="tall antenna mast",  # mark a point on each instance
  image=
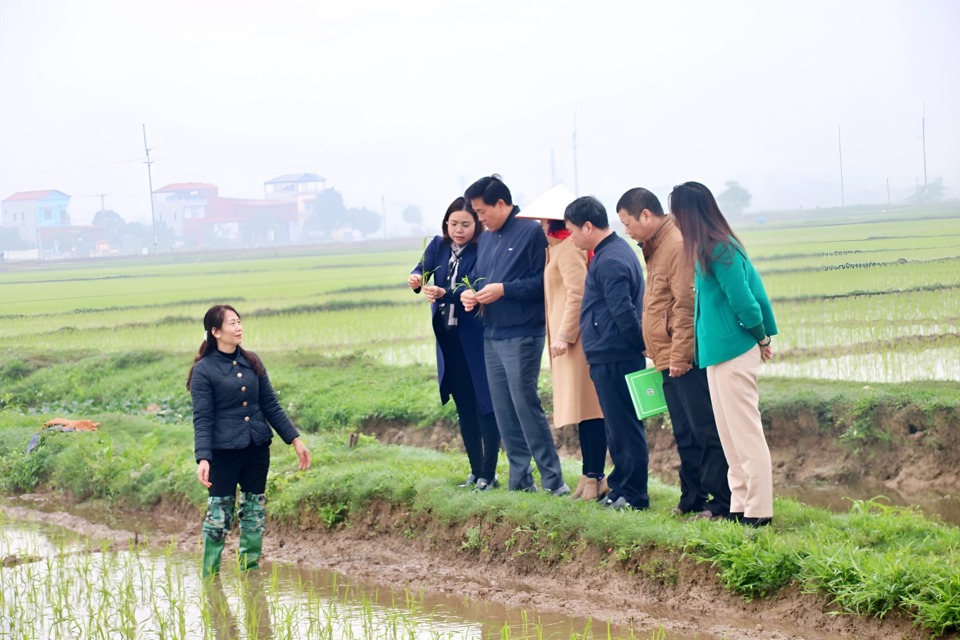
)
(153, 215)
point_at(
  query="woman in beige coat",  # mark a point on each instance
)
(574, 397)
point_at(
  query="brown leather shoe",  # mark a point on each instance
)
(591, 488)
(579, 490)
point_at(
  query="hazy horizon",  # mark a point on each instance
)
(407, 103)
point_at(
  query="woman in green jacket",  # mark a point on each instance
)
(733, 324)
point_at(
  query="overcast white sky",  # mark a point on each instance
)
(411, 101)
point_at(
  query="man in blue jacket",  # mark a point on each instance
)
(509, 273)
(613, 343)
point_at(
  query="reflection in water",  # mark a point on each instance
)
(249, 604)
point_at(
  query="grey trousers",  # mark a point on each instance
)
(513, 367)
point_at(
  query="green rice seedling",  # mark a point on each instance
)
(472, 285)
(425, 274)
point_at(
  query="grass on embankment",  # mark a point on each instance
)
(319, 393)
(872, 561)
(322, 393)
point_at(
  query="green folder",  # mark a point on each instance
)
(646, 391)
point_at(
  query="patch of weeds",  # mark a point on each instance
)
(659, 571)
(863, 427)
(751, 565)
(864, 582)
(333, 514)
(937, 605)
(474, 540)
(21, 472)
(16, 369)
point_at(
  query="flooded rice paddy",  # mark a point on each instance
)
(56, 584)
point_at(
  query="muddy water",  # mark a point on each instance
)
(840, 498)
(55, 584)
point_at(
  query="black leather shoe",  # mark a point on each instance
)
(756, 522)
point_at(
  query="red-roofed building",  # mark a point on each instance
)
(29, 212)
(198, 216)
(175, 203)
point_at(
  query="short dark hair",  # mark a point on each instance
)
(490, 189)
(461, 205)
(555, 225)
(587, 209)
(636, 200)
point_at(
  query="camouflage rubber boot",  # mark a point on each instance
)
(216, 526)
(253, 517)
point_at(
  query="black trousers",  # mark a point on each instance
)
(593, 446)
(703, 467)
(626, 437)
(247, 467)
(481, 437)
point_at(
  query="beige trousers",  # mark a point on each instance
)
(736, 407)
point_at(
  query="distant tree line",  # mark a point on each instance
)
(931, 192)
(330, 213)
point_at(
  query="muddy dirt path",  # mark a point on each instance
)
(689, 601)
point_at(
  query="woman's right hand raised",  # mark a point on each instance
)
(414, 281)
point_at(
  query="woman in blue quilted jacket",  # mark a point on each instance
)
(234, 408)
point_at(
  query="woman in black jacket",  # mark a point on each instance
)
(234, 407)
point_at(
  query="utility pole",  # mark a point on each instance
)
(923, 135)
(888, 192)
(102, 205)
(576, 175)
(840, 148)
(153, 215)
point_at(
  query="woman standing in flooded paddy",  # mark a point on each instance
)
(234, 407)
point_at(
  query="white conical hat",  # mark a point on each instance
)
(550, 205)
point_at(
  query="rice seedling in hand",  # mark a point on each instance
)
(425, 274)
(472, 286)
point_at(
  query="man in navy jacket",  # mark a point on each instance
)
(510, 261)
(613, 343)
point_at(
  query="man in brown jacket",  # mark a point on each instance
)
(669, 335)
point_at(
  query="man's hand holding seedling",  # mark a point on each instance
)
(490, 293)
